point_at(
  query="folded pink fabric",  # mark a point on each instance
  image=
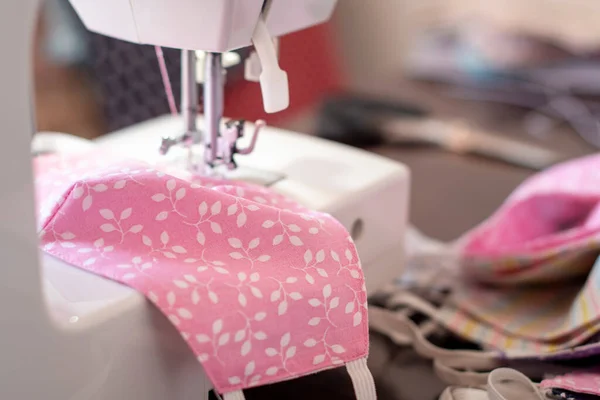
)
(547, 230)
(587, 382)
(261, 289)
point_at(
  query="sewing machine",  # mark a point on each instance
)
(83, 337)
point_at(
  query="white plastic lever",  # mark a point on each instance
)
(273, 80)
(252, 67)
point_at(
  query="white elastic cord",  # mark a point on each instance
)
(502, 384)
(362, 380)
(273, 80)
(415, 303)
(239, 395)
(459, 393)
(402, 330)
(455, 377)
(509, 384)
(454, 367)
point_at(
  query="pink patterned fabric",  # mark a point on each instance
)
(579, 382)
(261, 289)
(547, 230)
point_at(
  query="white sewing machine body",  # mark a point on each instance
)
(366, 193)
(216, 26)
(68, 334)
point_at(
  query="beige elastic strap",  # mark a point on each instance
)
(461, 393)
(455, 367)
(502, 384)
(456, 377)
(239, 395)
(508, 384)
(362, 379)
(403, 331)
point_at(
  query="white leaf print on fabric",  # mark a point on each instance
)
(262, 289)
(87, 202)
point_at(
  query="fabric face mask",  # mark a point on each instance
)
(584, 382)
(439, 313)
(261, 289)
(548, 230)
(523, 270)
(554, 314)
(467, 368)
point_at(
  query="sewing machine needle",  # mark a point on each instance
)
(213, 105)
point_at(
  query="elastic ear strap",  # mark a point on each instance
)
(397, 326)
(414, 302)
(362, 380)
(499, 387)
(239, 395)
(455, 377)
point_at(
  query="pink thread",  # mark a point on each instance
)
(166, 81)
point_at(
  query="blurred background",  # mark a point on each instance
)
(524, 71)
(473, 96)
